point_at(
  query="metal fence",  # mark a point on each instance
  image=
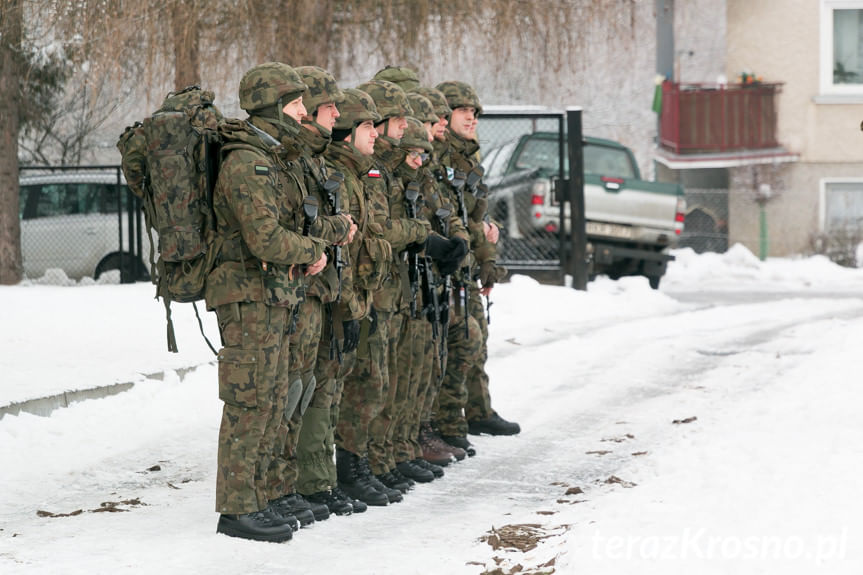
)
(706, 226)
(78, 219)
(525, 157)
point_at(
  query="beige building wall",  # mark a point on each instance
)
(780, 41)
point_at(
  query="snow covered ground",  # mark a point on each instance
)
(710, 427)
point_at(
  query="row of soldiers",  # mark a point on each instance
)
(354, 253)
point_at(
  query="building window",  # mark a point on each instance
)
(842, 47)
(842, 206)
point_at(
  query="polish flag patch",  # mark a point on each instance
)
(374, 173)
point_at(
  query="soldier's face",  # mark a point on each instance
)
(463, 122)
(439, 128)
(364, 137)
(429, 131)
(327, 115)
(295, 109)
(414, 158)
(394, 127)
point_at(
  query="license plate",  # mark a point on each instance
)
(610, 230)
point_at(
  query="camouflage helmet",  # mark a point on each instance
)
(356, 108)
(460, 95)
(437, 99)
(422, 107)
(402, 76)
(390, 100)
(415, 136)
(263, 86)
(322, 88)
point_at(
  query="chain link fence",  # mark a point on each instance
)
(706, 225)
(77, 219)
(524, 156)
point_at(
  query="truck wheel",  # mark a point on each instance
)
(133, 268)
(654, 281)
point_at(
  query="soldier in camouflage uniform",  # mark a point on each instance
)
(421, 363)
(460, 151)
(459, 348)
(253, 289)
(391, 302)
(312, 415)
(369, 256)
(432, 449)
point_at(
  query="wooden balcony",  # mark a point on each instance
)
(718, 118)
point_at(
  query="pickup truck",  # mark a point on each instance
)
(630, 223)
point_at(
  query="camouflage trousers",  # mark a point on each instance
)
(316, 445)
(282, 476)
(448, 413)
(416, 367)
(478, 397)
(382, 427)
(365, 388)
(253, 384)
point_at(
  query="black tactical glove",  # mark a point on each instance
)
(373, 318)
(458, 249)
(351, 333)
(487, 274)
(436, 247)
(449, 264)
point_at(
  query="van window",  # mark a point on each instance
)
(67, 199)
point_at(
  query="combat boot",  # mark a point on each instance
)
(393, 495)
(258, 526)
(416, 472)
(434, 450)
(284, 518)
(320, 510)
(494, 425)
(403, 478)
(334, 504)
(436, 470)
(358, 506)
(430, 439)
(461, 443)
(391, 481)
(354, 482)
(295, 505)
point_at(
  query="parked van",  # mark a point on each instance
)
(78, 222)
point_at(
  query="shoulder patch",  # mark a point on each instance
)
(450, 174)
(374, 174)
(262, 170)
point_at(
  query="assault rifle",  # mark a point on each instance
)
(310, 216)
(473, 179)
(331, 188)
(412, 193)
(458, 184)
(441, 310)
(472, 183)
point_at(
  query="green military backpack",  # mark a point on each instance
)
(171, 162)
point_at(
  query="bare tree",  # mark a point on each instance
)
(11, 33)
(185, 25)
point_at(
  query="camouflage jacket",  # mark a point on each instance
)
(257, 203)
(454, 154)
(429, 201)
(325, 285)
(355, 299)
(388, 198)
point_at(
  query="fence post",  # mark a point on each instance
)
(578, 236)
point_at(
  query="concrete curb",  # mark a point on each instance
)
(44, 406)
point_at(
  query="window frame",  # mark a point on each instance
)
(822, 197)
(826, 84)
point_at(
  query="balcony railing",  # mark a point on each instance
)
(708, 118)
